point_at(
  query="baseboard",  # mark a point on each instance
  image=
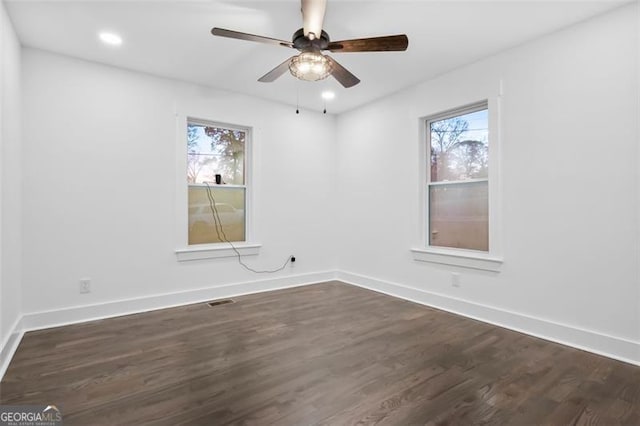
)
(77, 314)
(9, 346)
(610, 346)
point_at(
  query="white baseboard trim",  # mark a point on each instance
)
(10, 345)
(77, 314)
(610, 346)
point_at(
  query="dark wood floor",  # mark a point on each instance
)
(329, 354)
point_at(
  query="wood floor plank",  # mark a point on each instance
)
(328, 354)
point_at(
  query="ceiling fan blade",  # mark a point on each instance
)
(374, 44)
(249, 37)
(313, 17)
(276, 72)
(342, 74)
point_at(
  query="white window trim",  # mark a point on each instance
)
(458, 257)
(472, 259)
(214, 251)
(184, 251)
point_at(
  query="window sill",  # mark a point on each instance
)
(461, 258)
(214, 251)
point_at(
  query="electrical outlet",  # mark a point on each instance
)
(455, 279)
(85, 286)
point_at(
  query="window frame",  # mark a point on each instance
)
(245, 178)
(480, 106)
(490, 260)
(186, 251)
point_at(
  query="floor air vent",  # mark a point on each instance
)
(220, 302)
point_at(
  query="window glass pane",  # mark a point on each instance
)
(230, 203)
(459, 215)
(215, 150)
(459, 147)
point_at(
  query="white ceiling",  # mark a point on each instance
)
(172, 38)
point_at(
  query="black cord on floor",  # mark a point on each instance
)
(223, 237)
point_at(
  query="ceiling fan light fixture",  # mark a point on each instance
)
(310, 66)
(311, 40)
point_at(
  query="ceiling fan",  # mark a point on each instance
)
(311, 64)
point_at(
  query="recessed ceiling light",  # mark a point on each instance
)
(328, 95)
(110, 39)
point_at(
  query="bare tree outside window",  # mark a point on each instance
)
(229, 145)
(459, 151)
(215, 150)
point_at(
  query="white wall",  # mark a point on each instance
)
(100, 184)
(569, 133)
(10, 180)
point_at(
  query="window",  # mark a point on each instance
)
(458, 179)
(216, 162)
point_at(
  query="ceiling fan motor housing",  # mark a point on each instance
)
(303, 43)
